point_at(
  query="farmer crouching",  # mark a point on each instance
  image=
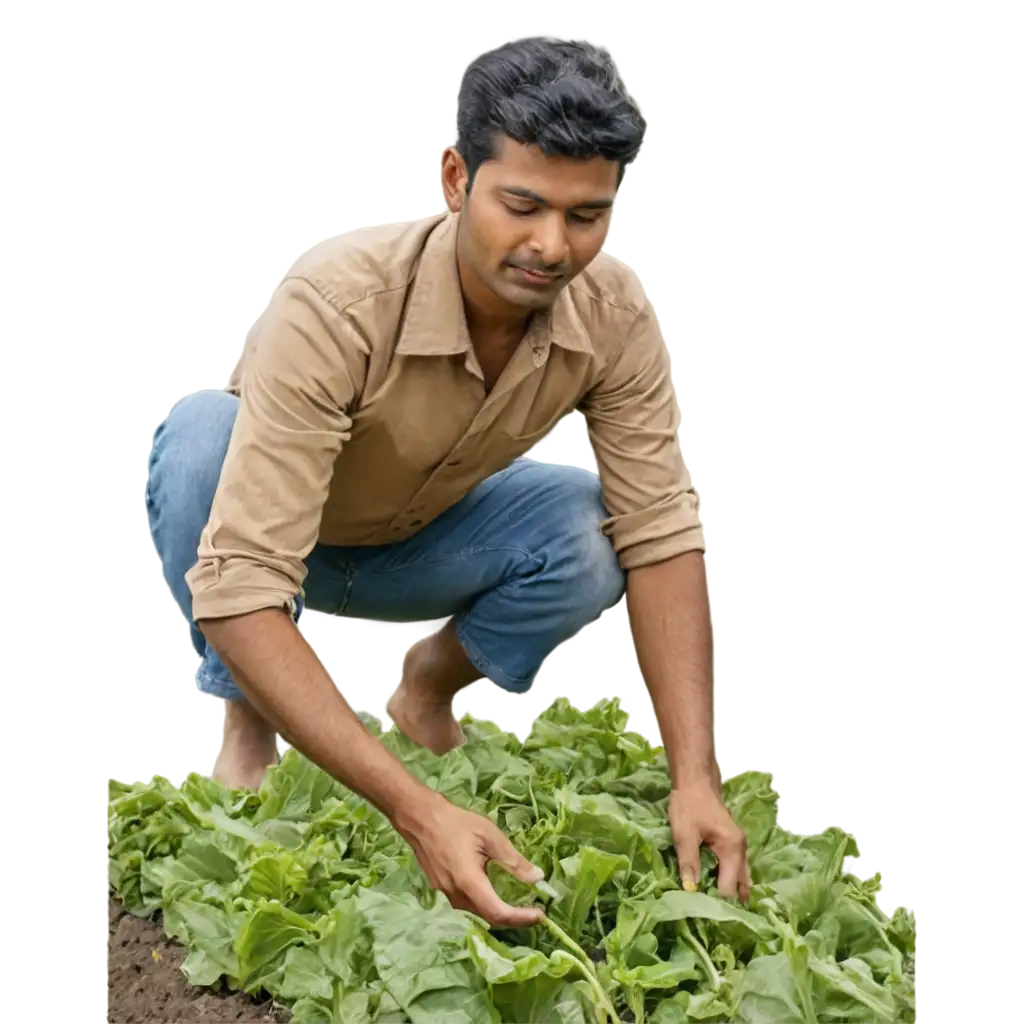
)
(366, 459)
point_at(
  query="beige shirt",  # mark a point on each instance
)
(363, 413)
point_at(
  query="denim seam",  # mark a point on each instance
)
(343, 603)
(437, 560)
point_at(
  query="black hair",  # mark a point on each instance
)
(565, 98)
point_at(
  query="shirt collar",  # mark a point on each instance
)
(435, 317)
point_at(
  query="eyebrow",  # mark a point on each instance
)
(524, 193)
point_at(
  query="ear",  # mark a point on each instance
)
(454, 178)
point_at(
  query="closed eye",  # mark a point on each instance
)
(583, 219)
(588, 217)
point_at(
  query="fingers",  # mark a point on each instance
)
(500, 849)
(733, 871)
(478, 890)
(454, 856)
(733, 868)
(484, 901)
(687, 841)
(745, 881)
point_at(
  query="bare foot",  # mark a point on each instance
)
(421, 707)
(431, 726)
(249, 747)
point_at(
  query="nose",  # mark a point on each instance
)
(550, 243)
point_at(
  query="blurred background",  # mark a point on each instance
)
(832, 214)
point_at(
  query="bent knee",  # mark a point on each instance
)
(587, 558)
(190, 445)
(598, 575)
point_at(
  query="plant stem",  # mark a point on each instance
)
(702, 955)
(869, 912)
(582, 959)
(636, 1003)
(533, 800)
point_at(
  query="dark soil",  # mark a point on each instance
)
(145, 984)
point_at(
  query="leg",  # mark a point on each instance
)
(184, 468)
(435, 669)
(521, 565)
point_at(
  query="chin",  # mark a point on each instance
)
(535, 301)
(527, 298)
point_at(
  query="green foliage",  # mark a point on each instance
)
(305, 891)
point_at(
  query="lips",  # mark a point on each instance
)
(536, 277)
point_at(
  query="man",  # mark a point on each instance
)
(366, 460)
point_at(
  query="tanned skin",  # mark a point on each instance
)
(524, 211)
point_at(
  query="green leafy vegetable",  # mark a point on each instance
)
(304, 890)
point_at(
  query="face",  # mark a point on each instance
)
(527, 212)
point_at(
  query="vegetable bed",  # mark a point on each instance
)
(304, 891)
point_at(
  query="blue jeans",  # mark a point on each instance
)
(520, 561)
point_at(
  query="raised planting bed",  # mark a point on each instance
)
(303, 892)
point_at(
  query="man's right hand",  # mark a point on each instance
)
(284, 680)
(453, 847)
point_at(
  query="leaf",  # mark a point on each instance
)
(294, 789)
(422, 956)
(677, 905)
(599, 820)
(304, 889)
(270, 929)
(753, 805)
(686, 1007)
(209, 933)
(499, 964)
(543, 999)
(767, 990)
(304, 975)
(584, 874)
(663, 974)
(274, 877)
(847, 991)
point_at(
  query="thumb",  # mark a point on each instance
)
(500, 849)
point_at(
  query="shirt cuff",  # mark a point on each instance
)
(656, 534)
(222, 588)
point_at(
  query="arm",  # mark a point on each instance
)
(671, 622)
(271, 662)
(306, 367)
(633, 420)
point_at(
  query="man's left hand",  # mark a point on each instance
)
(697, 816)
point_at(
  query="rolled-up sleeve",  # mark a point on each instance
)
(633, 422)
(305, 366)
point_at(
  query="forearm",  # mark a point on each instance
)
(671, 621)
(284, 680)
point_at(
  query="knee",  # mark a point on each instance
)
(188, 451)
(585, 557)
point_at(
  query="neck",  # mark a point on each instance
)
(497, 335)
